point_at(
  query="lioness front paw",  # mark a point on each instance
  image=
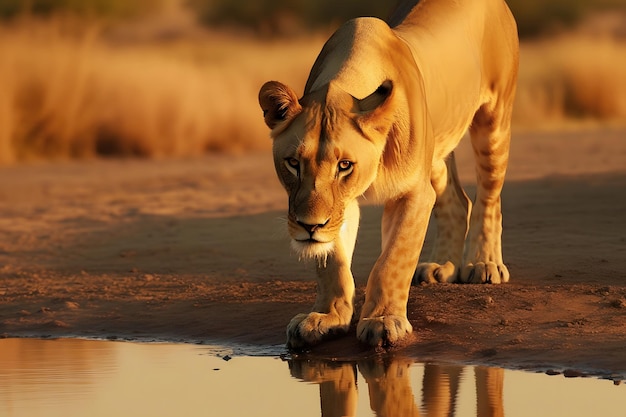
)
(383, 331)
(484, 273)
(310, 329)
(432, 273)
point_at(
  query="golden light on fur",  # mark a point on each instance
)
(382, 111)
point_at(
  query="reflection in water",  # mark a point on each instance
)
(61, 378)
(71, 367)
(390, 391)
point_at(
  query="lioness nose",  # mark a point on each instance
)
(311, 228)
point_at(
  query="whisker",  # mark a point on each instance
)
(280, 231)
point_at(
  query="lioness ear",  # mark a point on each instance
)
(374, 100)
(279, 103)
(375, 112)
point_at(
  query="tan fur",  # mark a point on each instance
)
(382, 111)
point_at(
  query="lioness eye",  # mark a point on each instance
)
(293, 162)
(345, 165)
(293, 165)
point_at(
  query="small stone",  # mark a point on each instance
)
(552, 372)
(226, 358)
(572, 373)
(485, 301)
(618, 303)
(71, 305)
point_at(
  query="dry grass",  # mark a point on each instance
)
(72, 93)
(69, 95)
(572, 77)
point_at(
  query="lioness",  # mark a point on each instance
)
(382, 111)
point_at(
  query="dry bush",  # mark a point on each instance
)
(69, 91)
(74, 95)
(572, 77)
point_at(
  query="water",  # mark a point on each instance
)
(70, 377)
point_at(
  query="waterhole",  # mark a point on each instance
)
(73, 377)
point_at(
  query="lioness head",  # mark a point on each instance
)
(329, 145)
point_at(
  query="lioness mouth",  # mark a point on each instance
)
(309, 241)
(311, 248)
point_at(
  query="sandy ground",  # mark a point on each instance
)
(195, 250)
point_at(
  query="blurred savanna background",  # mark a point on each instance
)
(161, 78)
(138, 196)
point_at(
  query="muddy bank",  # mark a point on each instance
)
(196, 250)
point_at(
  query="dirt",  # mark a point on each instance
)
(195, 251)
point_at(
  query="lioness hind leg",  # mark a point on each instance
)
(490, 133)
(451, 213)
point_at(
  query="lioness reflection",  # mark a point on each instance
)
(390, 391)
